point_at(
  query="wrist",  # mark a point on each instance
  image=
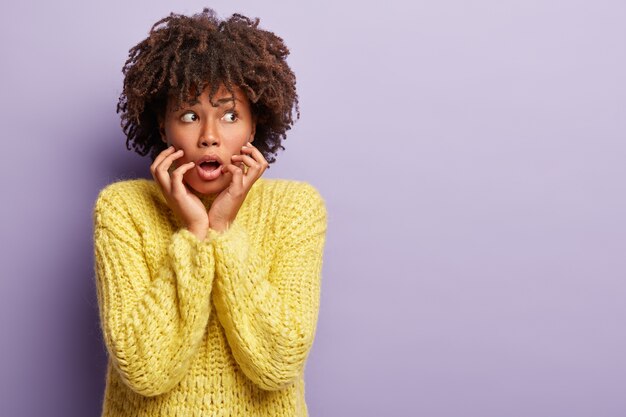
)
(220, 226)
(200, 231)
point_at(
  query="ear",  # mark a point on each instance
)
(253, 129)
(162, 129)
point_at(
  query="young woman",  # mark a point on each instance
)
(208, 276)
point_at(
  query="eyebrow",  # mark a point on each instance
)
(220, 102)
(226, 100)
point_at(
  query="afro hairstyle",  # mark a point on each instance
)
(183, 55)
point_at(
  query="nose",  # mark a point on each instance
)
(209, 135)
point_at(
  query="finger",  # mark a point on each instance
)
(160, 158)
(178, 186)
(162, 172)
(253, 173)
(260, 160)
(236, 185)
(247, 160)
(169, 159)
(256, 154)
(251, 170)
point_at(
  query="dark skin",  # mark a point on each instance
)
(185, 52)
(199, 129)
(182, 58)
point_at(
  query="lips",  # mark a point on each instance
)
(209, 162)
(209, 167)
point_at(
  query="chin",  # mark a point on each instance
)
(208, 187)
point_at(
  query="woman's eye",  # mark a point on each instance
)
(231, 116)
(189, 117)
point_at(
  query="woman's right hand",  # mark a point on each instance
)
(185, 204)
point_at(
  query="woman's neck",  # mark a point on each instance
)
(207, 199)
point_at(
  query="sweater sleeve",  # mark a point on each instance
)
(269, 308)
(153, 323)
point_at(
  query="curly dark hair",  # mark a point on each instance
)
(182, 55)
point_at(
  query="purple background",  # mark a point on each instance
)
(472, 157)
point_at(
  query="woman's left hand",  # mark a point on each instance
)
(226, 205)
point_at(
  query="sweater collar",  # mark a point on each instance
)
(207, 199)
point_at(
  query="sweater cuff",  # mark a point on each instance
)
(186, 234)
(233, 250)
(234, 233)
(184, 243)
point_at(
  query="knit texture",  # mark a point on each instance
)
(215, 327)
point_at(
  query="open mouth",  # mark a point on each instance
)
(209, 165)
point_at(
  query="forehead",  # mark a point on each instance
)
(220, 97)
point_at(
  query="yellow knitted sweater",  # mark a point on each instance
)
(218, 327)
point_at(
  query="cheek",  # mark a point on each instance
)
(234, 143)
(180, 138)
(171, 136)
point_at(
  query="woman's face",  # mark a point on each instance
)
(201, 130)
